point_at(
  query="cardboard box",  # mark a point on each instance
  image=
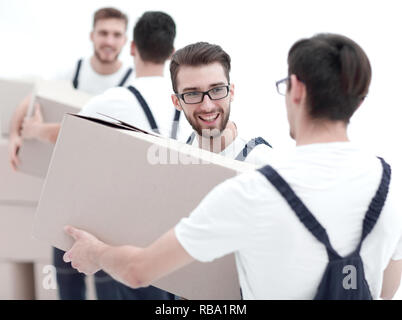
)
(16, 189)
(104, 180)
(55, 99)
(12, 92)
(17, 281)
(18, 245)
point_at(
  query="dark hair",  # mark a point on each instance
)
(109, 13)
(200, 53)
(154, 35)
(336, 72)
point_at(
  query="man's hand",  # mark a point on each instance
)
(85, 253)
(14, 145)
(32, 127)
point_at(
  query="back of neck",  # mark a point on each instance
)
(322, 132)
(148, 69)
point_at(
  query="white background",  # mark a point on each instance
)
(41, 37)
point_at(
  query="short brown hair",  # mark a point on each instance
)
(200, 53)
(109, 13)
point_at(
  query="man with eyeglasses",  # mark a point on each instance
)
(201, 82)
(326, 200)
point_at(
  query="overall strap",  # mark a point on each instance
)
(191, 138)
(175, 125)
(123, 81)
(250, 146)
(377, 203)
(77, 74)
(145, 108)
(302, 212)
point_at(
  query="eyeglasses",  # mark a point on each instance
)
(282, 86)
(195, 97)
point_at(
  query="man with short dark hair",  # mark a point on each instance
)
(145, 102)
(200, 74)
(327, 206)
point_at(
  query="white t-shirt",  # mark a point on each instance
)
(259, 155)
(92, 82)
(120, 103)
(276, 256)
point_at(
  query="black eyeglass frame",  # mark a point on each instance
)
(277, 83)
(204, 93)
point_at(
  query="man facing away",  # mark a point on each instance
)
(200, 75)
(327, 201)
(103, 70)
(145, 102)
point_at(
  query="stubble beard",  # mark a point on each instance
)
(210, 133)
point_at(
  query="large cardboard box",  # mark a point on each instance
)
(55, 99)
(111, 183)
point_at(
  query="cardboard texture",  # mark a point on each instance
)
(101, 180)
(16, 189)
(55, 99)
(12, 92)
(17, 281)
(18, 245)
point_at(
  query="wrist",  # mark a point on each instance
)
(100, 253)
(15, 135)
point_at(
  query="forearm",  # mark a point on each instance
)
(126, 264)
(139, 267)
(18, 117)
(391, 279)
(49, 132)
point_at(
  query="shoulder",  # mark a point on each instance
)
(67, 73)
(261, 153)
(244, 188)
(118, 97)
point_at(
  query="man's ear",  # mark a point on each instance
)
(91, 36)
(297, 90)
(133, 48)
(231, 92)
(176, 102)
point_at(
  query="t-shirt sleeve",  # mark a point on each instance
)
(224, 220)
(260, 156)
(112, 103)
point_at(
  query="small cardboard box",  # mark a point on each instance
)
(55, 99)
(12, 92)
(16, 189)
(128, 187)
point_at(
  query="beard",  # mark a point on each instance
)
(105, 61)
(210, 132)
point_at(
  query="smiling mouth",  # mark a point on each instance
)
(211, 118)
(107, 49)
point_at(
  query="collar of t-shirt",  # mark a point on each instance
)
(232, 150)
